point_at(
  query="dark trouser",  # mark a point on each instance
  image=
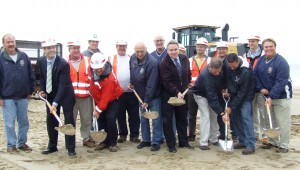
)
(193, 109)
(107, 121)
(129, 103)
(52, 123)
(180, 113)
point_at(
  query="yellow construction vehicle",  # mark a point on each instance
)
(188, 35)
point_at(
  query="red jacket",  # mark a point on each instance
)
(105, 91)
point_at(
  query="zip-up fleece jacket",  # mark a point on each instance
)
(16, 78)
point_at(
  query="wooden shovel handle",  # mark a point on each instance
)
(185, 91)
(137, 96)
(49, 106)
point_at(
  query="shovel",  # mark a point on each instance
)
(97, 136)
(226, 145)
(67, 129)
(148, 114)
(272, 132)
(174, 101)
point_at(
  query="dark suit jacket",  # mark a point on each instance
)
(62, 89)
(170, 77)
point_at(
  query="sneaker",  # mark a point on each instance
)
(89, 143)
(238, 146)
(25, 148)
(204, 147)
(121, 139)
(135, 140)
(248, 151)
(12, 150)
(282, 150)
(101, 146)
(144, 144)
(155, 147)
(113, 148)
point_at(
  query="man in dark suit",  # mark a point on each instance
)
(56, 84)
(176, 77)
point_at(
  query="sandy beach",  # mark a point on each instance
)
(129, 157)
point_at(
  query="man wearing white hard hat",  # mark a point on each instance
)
(93, 41)
(128, 101)
(56, 84)
(182, 49)
(16, 86)
(208, 118)
(105, 89)
(79, 71)
(252, 56)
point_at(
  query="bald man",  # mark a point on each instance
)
(144, 77)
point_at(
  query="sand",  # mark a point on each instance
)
(129, 157)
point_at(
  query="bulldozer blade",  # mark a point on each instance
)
(98, 136)
(150, 115)
(67, 129)
(226, 146)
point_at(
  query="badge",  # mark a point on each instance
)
(237, 79)
(142, 71)
(22, 63)
(270, 70)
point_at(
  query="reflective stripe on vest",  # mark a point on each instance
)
(80, 79)
(195, 70)
(113, 61)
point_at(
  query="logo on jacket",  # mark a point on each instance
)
(142, 70)
(22, 63)
(270, 70)
(237, 79)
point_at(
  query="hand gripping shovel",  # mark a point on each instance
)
(174, 101)
(148, 114)
(272, 132)
(67, 129)
(97, 136)
(226, 145)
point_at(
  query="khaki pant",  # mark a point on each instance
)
(85, 108)
(282, 111)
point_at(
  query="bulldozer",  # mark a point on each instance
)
(188, 35)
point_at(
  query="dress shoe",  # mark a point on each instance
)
(172, 150)
(48, 151)
(144, 144)
(248, 151)
(25, 148)
(121, 139)
(204, 147)
(238, 146)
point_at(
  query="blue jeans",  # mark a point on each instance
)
(154, 105)
(243, 124)
(13, 109)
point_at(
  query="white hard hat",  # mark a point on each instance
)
(73, 43)
(222, 44)
(98, 60)
(121, 42)
(254, 37)
(181, 47)
(93, 37)
(202, 40)
(48, 42)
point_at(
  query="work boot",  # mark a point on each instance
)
(89, 143)
(248, 151)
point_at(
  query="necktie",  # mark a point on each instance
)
(49, 78)
(178, 67)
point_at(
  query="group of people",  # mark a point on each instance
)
(108, 87)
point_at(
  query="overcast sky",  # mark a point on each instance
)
(141, 20)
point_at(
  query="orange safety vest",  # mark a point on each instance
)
(80, 79)
(114, 63)
(195, 69)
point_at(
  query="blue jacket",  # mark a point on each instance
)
(159, 57)
(16, 78)
(273, 76)
(209, 86)
(145, 77)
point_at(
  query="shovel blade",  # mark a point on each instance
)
(98, 136)
(150, 115)
(226, 146)
(67, 129)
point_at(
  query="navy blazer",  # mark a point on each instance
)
(62, 89)
(170, 77)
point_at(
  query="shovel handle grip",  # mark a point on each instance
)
(269, 114)
(184, 93)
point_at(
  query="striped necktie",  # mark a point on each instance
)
(178, 67)
(49, 78)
